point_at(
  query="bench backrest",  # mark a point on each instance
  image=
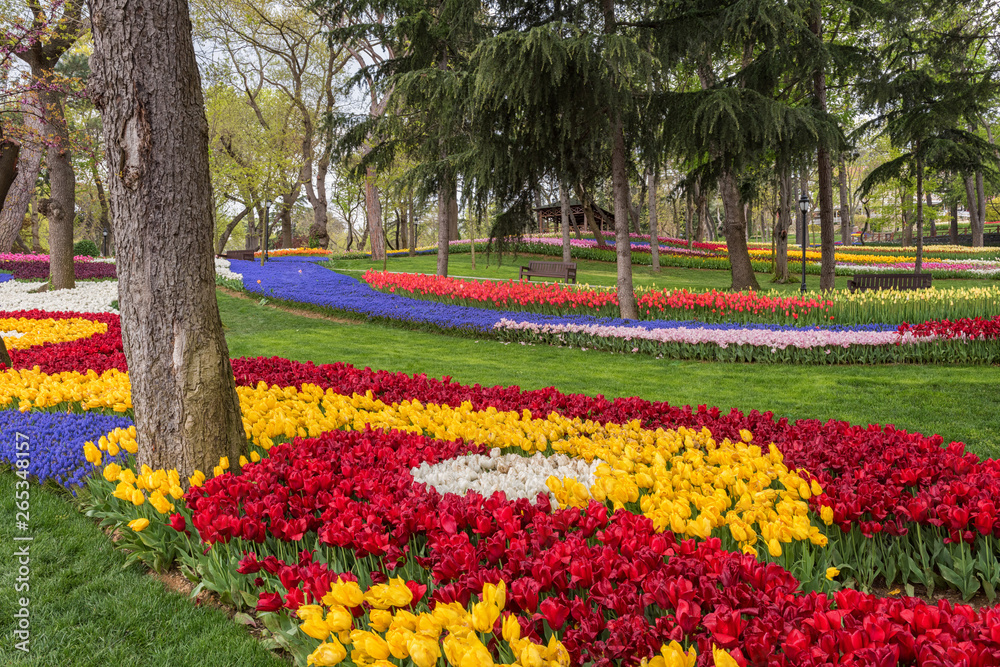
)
(892, 280)
(552, 268)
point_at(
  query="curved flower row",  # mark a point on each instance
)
(608, 587)
(31, 269)
(947, 492)
(709, 306)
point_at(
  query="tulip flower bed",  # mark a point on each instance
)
(39, 269)
(887, 307)
(305, 282)
(705, 538)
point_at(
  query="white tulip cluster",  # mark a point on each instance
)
(222, 269)
(516, 475)
(86, 297)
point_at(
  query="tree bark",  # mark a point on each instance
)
(453, 234)
(413, 228)
(146, 84)
(846, 210)
(42, 57)
(623, 243)
(784, 223)
(36, 243)
(564, 204)
(22, 190)
(690, 219)
(588, 216)
(918, 263)
(735, 228)
(907, 209)
(62, 188)
(402, 229)
(972, 200)
(373, 211)
(979, 225)
(444, 204)
(654, 229)
(953, 230)
(9, 153)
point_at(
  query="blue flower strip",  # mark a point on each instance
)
(300, 279)
(55, 442)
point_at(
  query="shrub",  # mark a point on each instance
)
(86, 247)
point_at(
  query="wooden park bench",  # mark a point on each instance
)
(240, 254)
(564, 270)
(899, 281)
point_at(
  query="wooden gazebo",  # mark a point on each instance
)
(551, 214)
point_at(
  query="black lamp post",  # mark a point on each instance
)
(105, 242)
(804, 207)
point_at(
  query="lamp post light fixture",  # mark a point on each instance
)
(804, 207)
(105, 242)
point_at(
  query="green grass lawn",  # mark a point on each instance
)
(598, 273)
(87, 609)
(957, 402)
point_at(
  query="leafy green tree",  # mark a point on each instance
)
(925, 89)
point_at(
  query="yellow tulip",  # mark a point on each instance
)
(139, 525)
(722, 658)
(511, 629)
(423, 651)
(316, 627)
(345, 593)
(831, 573)
(338, 618)
(380, 619)
(112, 471)
(327, 654)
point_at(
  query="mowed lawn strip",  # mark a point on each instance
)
(86, 609)
(958, 402)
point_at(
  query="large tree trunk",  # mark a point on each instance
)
(373, 211)
(735, 230)
(784, 223)
(688, 223)
(846, 210)
(444, 204)
(22, 190)
(102, 201)
(907, 215)
(588, 216)
(933, 220)
(918, 263)
(824, 172)
(316, 193)
(972, 200)
(61, 209)
(623, 243)
(413, 228)
(9, 153)
(36, 243)
(701, 210)
(978, 226)
(654, 229)
(953, 228)
(564, 205)
(146, 84)
(453, 234)
(402, 228)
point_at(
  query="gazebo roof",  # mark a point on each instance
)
(556, 209)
